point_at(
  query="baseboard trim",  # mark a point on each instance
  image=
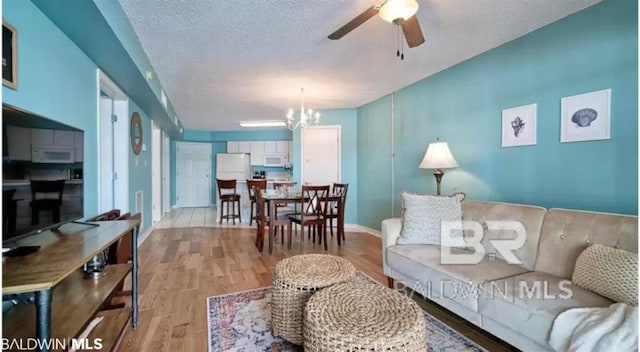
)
(146, 234)
(362, 228)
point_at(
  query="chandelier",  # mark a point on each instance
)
(307, 117)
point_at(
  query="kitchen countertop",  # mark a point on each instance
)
(13, 183)
(268, 180)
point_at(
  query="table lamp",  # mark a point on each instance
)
(438, 157)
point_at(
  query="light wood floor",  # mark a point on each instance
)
(181, 266)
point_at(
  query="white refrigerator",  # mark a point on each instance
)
(233, 166)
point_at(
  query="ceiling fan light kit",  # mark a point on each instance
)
(398, 11)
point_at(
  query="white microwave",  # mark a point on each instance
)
(275, 159)
(50, 154)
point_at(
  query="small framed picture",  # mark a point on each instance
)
(9, 55)
(519, 126)
(586, 117)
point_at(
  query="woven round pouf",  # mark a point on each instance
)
(295, 279)
(359, 316)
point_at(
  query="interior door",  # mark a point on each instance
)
(106, 155)
(320, 155)
(193, 171)
(166, 155)
(156, 173)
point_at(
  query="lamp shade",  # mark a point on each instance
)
(398, 9)
(438, 156)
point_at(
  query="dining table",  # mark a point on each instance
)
(274, 198)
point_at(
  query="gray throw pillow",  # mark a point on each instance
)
(422, 216)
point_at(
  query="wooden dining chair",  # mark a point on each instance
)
(251, 184)
(339, 189)
(227, 194)
(314, 200)
(38, 204)
(262, 221)
(283, 208)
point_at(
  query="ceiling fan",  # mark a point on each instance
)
(399, 12)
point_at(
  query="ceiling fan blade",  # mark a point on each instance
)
(354, 23)
(412, 32)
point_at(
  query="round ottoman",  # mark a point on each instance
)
(360, 316)
(295, 279)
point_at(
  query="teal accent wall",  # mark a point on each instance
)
(591, 50)
(56, 80)
(140, 174)
(224, 136)
(348, 120)
(374, 162)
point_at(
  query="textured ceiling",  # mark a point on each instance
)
(224, 61)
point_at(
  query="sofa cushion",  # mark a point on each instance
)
(609, 272)
(566, 233)
(453, 281)
(423, 214)
(531, 301)
(530, 217)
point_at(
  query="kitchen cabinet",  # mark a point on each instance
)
(79, 148)
(58, 138)
(257, 153)
(41, 137)
(64, 138)
(232, 147)
(282, 147)
(244, 147)
(270, 147)
(19, 143)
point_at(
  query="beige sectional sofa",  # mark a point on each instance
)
(516, 302)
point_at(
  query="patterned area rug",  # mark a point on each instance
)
(242, 322)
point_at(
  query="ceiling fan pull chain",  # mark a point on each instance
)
(402, 46)
(398, 41)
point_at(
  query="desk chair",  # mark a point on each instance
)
(46, 204)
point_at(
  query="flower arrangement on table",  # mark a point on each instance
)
(289, 168)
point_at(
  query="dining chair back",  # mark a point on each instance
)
(339, 189)
(251, 186)
(227, 194)
(314, 200)
(52, 200)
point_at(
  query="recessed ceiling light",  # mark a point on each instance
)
(262, 124)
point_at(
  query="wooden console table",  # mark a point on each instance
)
(65, 302)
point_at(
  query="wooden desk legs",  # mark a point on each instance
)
(134, 279)
(43, 318)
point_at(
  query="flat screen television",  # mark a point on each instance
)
(42, 185)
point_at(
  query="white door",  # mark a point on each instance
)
(113, 147)
(156, 174)
(106, 155)
(121, 145)
(193, 169)
(320, 155)
(165, 173)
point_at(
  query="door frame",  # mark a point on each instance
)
(166, 173)
(119, 143)
(179, 203)
(302, 130)
(156, 173)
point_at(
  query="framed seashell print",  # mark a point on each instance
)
(519, 126)
(586, 117)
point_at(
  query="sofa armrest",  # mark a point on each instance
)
(390, 233)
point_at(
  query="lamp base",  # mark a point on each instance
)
(438, 173)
